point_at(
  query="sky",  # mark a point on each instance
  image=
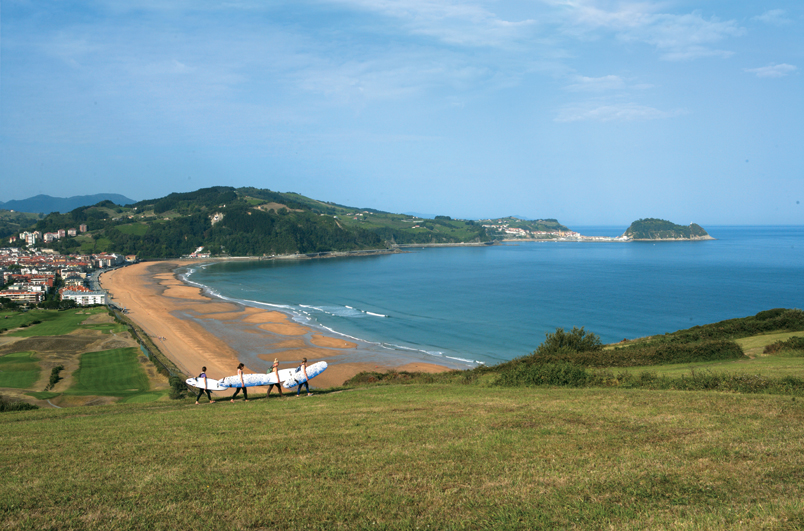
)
(593, 112)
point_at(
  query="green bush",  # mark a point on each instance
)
(778, 319)
(54, 377)
(637, 355)
(576, 340)
(15, 405)
(795, 344)
(178, 389)
(398, 377)
(561, 374)
(701, 381)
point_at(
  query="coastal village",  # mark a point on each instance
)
(504, 228)
(32, 276)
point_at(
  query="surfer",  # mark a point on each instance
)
(202, 389)
(303, 367)
(278, 384)
(242, 383)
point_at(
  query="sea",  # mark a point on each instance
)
(465, 306)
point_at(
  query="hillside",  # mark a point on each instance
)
(246, 222)
(12, 223)
(446, 456)
(458, 450)
(651, 229)
(45, 204)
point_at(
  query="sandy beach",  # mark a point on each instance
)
(181, 319)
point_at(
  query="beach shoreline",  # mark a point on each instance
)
(194, 329)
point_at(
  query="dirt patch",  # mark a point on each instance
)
(276, 207)
(7, 340)
(98, 318)
(55, 344)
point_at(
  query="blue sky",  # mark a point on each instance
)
(589, 111)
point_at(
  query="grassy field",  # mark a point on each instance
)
(19, 370)
(446, 451)
(110, 373)
(101, 361)
(414, 456)
(55, 323)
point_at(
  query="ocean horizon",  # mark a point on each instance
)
(462, 306)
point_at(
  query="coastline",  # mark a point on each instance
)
(195, 330)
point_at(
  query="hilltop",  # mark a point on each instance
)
(651, 229)
(45, 204)
(256, 222)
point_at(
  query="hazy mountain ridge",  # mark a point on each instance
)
(46, 204)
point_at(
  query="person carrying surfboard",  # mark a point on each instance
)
(303, 367)
(201, 390)
(278, 384)
(242, 384)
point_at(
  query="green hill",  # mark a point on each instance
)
(659, 229)
(246, 222)
(12, 223)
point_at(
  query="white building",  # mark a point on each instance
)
(84, 298)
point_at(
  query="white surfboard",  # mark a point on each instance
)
(298, 377)
(255, 380)
(212, 385)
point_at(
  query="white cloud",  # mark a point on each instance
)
(678, 37)
(775, 17)
(625, 112)
(453, 22)
(596, 84)
(772, 70)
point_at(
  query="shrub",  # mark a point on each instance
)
(54, 377)
(178, 389)
(562, 374)
(639, 354)
(15, 405)
(766, 321)
(576, 340)
(795, 344)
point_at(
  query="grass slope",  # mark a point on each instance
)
(415, 456)
(19, 370)
(115, 372)
(56, 323)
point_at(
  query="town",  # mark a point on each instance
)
(42, 277)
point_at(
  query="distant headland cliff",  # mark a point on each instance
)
(651, 229)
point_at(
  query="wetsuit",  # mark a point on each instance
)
(201, 390)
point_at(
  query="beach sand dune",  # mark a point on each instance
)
(331, 342)
(285, 329)
(160, 303)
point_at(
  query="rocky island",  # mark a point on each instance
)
(651, 229)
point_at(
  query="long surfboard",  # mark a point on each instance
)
(255, 380)
(251, 380)
(298, 377)
(212, 385)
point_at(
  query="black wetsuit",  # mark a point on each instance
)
(201, 390)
